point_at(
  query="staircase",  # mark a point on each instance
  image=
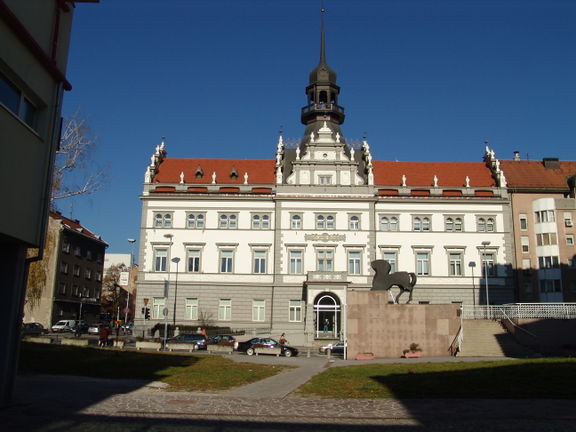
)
(487, 338)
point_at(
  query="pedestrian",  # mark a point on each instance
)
(326, 325)
(103, 334)
(283, 340)
(203, 332)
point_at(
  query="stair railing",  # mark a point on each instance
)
(456, 344)
(517, 326)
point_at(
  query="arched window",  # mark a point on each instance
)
(384, 224)
(481, 225)
(417, 224)
(425, 224)
(458, 224)
(490, 225)
(320, 222)
(296, 222)
(394, 223)
(329, 222)
(354, 223)
(449, 225)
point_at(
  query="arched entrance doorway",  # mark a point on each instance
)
(327, 316)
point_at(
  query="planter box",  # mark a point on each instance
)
(74, 342)
(181, 347)
(220, 349)
(265, 350)
(148, 345)
(412, 354)
(38, 339)
(364, 356)
(119, 343)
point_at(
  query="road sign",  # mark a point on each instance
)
(123, 280)
(126, 310)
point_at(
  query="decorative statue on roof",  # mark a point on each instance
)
(467, 181)
(384, 280)
(181, 177)
(404, 180)
(435, 181)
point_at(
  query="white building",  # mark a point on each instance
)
(277, 244)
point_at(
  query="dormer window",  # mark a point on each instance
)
(234, 173)
(199, 173)
(325, 179)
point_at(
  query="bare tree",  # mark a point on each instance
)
(71, 175)
(113, 295)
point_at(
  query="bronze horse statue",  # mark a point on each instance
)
(384, 280)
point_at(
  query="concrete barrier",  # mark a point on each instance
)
(74, 342)
(220, 349)
(148, 345)
(182, 347)
(38, 339)
(266, 350)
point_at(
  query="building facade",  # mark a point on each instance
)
(276, 245)
(67, 282)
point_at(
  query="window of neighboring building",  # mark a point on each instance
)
(568, 219)
(453, 224)
(259, 261)
(527, 286)
(88, 273)
(526, 266)
(162, 220)
(524, 241)
(354, 223)
(260, 221)
(66, 246)
(64, 267)
(225, 310)
(325, 260)
(14, 100)
(392, 258)
(295, 222)
(421, 223)
(295, 311)
(258, 310)
(570, 239)
(573, 286)
(77, 251)
(191, 308)
(325, 222)
(63, 288)
(160, 259)
(423, 263)
(523, 222)
(354, 262)
(226, 261)
(76, 270)
(545, 239)
(388, 223)
(98, 276)
(89, 254)
(545, 216)
(295, 258)
(548, 262)
(228, 221)
(550, 286)
(193, 260)
(76, 290)
(195, 221)
(455, 263)
(158, 305)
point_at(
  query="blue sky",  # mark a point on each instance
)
(424, 80)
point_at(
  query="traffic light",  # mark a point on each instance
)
(147, 313)
(143, 311)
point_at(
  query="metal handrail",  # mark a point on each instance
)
(521, 310)
(518, 327)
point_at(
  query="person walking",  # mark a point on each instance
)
(283, 340)
(103, 334)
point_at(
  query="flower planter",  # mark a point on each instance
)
(364, 356)
(74, 342)
(220, 349)
(412, 354)
(181, 347)
(148, 345)
(266, 350)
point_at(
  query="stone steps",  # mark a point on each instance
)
(487, 338)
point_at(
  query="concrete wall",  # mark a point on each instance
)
(386, 330)
(550, 336)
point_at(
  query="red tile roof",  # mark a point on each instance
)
(259, 171)
(533, 174)
(74, 225)
(421, 174)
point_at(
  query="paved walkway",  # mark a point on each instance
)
(61, 403)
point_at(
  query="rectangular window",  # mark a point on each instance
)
(570, 240)
(453, 224)
(158, 305)
(192, 308)
(296, 222)
(13, 99)
(545, 216)
(225, 310)
(193, 261)
(354, 262)
(160, 259)
(523, 222)
(66, 246)
(226, 261)
(162, 220)
(550, 286)
(525, 244)
(568, 219)
(261, 221)
(295, 311)
(354, 223)
(258, 310)
(485, 224)
(548, 262)
(63, 288)
(76, 290)
(325, 179)
(420, 223)
(99, 276)
(455, 263)
(423, 263)
(325, 260)
(227, 221)
(76, 271)
(546, 239)
(64, 267)
(526, 266)
(325, 222)
(259, 261)
(388, 223)
(295, 258)
(77, 251)
(392, 258)
(88, 273)
(488, 262)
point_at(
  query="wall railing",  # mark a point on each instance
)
(521, 310)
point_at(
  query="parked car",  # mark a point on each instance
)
(197, 339)
(249, 345)
(94, 328)
(127, 328)
(337, 348)
(33, 329)
(64, 326)
(81, 327)
(223, 337)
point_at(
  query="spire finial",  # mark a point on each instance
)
(322, 38)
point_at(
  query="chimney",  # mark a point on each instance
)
(516, 155)
(551, 163)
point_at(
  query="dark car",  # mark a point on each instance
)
(189, 338)
(223, 338)
(249, 345)
(33, 329)
(337, 348)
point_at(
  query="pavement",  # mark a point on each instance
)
(64, 403)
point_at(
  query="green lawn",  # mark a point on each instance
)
(534, 379)
(184, 372)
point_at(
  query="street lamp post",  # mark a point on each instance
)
(175, 260)
(131, 241)
(485, 244)
(165, 311)
(472, 264)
